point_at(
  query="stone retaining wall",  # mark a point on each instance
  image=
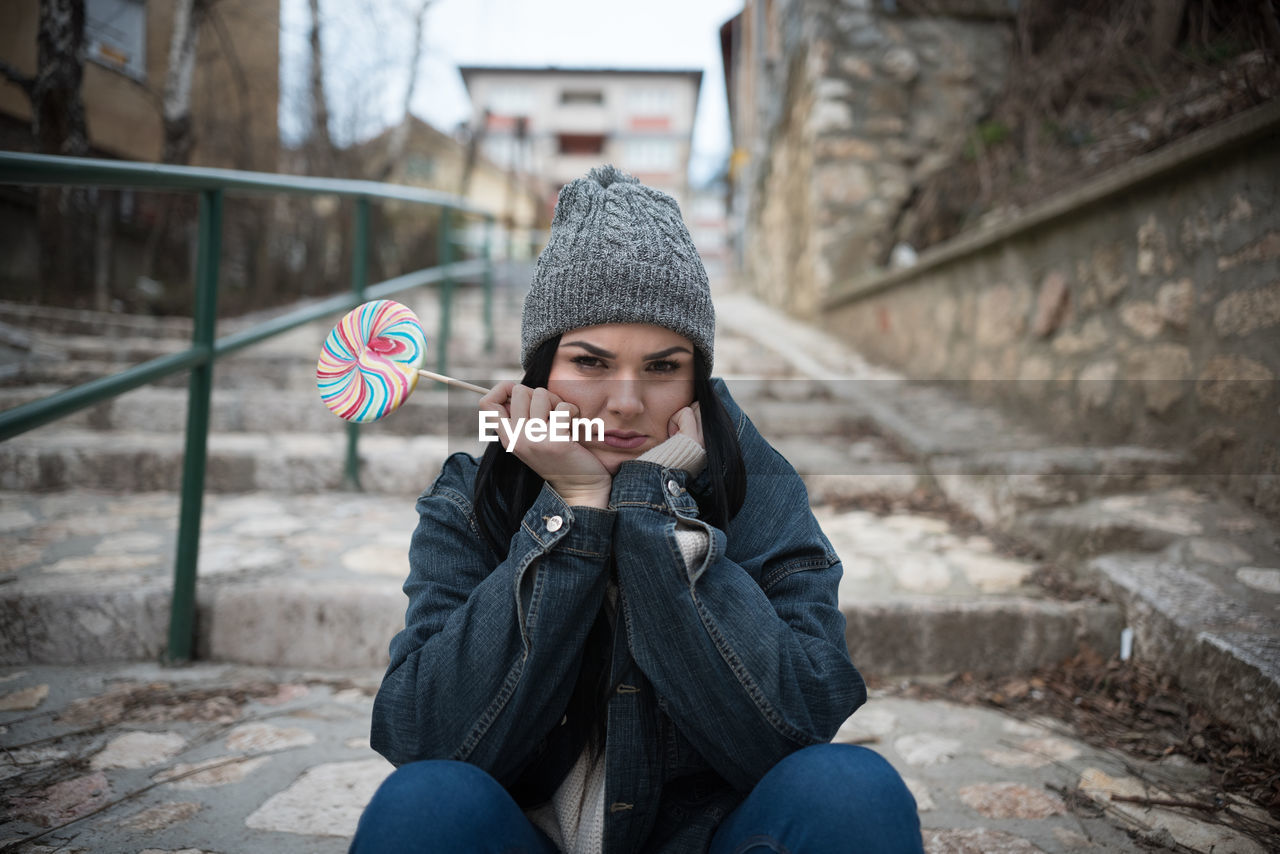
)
(865, 100)
(1142, 308)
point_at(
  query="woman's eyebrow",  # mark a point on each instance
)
(591, 348)
(668, 352)
(605, 354)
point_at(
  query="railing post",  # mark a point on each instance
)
(488, 284)
(445, 251)
(359, 279)
(208, 252)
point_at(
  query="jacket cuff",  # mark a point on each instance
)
(678, 452)
(656, 487)
(552, 523)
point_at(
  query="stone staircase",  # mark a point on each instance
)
(297, 571)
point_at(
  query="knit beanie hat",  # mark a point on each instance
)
(618, 253)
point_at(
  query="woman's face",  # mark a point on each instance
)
(632, 376)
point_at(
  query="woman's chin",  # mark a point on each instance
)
(613, 458)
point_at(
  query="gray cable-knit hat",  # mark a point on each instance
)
(618, 253)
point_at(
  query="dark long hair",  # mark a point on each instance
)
(506, 488)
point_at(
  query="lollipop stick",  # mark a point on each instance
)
(451, 381)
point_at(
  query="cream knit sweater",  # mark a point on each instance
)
(575, 817)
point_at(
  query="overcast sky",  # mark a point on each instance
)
(368, 48)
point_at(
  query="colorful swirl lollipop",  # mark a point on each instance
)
(369, 363)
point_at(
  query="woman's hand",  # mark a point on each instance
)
(687, 421)
(571, 470)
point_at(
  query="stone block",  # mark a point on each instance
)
(83, 626)
(138, 750)
(843, 183)
(845, 148)
(1089, 338)
(1153, 247)
(325, 801)
(855, 66)
(901, 64)
(1009, 635)
(1011, 800)
(1266, 248)
(1176, 302)
(1161, 370)
(1001, 314)
(1107, 272)
(977, 840)
(162, 815)
(1095, 384)
(1235, 385)
(64, 802)
(1051, 304)
(830, 117)
(296, 624)
(1244, 312)
(1142, 318)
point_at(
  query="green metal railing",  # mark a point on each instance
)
(206, 348)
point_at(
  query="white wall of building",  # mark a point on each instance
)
(642, 119)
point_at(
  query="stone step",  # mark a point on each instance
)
(314, 581)
(69, 321)
(998, 486)
(237, 462)
(1198, 577)
(980, 458)
(395, 457)
(1204, 526)
(248, 369)
(163, 409)
(160, 409)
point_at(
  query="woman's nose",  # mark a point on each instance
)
(625, 398)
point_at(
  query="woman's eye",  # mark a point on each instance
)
(587, 361)
(664, 366)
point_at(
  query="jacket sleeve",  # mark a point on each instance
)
(487, 660)
(748, 670)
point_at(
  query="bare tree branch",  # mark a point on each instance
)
(400, 136)
(320, 142)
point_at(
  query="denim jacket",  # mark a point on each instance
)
(720, 670)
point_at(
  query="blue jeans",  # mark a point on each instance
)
(825, 799)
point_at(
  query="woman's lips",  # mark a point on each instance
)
(624, 438)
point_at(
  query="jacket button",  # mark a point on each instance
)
(673, 487)
(554, 524)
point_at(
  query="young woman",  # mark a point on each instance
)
(627, 643)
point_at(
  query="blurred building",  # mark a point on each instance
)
(432, 159)
(558, 123)
(235, 92)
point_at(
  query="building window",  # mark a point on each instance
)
(651, 101)
(593, 97)
(116, 34)
(511, 100)
(581, 143)
(651, 155)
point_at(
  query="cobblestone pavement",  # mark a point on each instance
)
(212, 758)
